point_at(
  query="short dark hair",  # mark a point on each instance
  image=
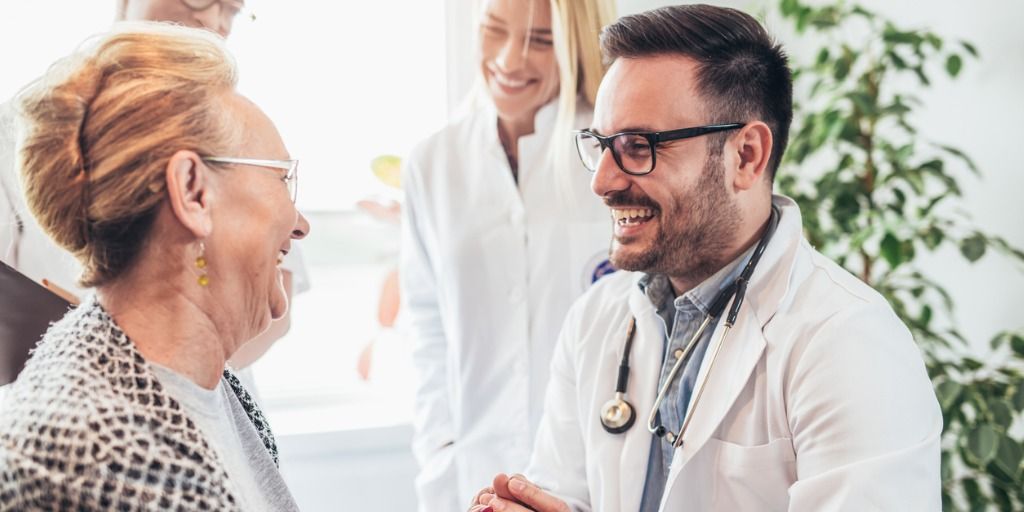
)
(743, 73)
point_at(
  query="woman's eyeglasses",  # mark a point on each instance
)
(291, 177)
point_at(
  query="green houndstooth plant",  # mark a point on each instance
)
(875, 195)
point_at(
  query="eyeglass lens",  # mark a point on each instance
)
(632, 152)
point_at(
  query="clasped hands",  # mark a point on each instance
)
(515, 494)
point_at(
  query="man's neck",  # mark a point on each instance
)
(682, 283)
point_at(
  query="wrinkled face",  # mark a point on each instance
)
(254, 223)
(218, 16)
(518, 56)
(679, 219)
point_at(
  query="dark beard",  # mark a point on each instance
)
(693, 248)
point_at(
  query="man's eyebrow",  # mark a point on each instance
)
(628, 129)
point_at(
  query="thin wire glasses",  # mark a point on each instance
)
(636, 152)
(290, 179)
(229, 9)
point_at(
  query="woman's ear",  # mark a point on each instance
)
(190, 193)
(754, 148)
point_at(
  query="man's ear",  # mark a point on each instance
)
(753, 145)
(190, 193)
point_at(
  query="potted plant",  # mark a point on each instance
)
(874, 196)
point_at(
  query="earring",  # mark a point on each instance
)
(204, 279)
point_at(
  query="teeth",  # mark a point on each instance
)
(632, 213)
(508, 82)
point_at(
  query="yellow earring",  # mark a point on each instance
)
(204, 279)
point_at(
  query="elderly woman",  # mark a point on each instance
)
(177, 196)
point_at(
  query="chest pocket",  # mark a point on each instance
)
(752, 477)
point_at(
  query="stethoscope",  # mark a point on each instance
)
(618, 415)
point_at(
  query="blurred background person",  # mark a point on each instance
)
(499, 237)
(24, 246)
(132, 162)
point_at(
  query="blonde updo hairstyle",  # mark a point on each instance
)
(99, 128)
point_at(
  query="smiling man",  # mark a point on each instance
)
(735, 368)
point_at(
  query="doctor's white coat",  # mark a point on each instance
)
(818, 401)
(489, 268)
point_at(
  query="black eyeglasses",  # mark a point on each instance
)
(635, 152)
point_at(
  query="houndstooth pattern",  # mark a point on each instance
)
(87, 426)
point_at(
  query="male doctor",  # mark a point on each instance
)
(816, 399)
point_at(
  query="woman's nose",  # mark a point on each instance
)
(512, 55)
(301, 227)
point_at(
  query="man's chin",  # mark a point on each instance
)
(633, 259)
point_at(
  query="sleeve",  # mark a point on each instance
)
(864, 417)
(432, 421)
(559, 461)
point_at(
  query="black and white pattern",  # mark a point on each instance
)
(87, 426)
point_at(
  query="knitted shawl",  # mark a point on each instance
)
(87, 426)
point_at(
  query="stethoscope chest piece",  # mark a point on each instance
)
(617, 415)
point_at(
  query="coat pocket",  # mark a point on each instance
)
(752, 477)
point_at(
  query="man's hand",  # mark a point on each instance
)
(516, 494)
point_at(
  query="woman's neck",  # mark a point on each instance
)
(509, 132)
(169, 327)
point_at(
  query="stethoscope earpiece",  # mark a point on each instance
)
(617, 415)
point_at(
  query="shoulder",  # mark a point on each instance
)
(608, 297)
(452, 140)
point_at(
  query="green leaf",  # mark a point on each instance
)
(953, 65)
(948, 392)
(998, 340)
(1017, 344)
(982, 443)
(1009, 456)
(970, 48)
(891, 250)
(934, 237)
(973, 247)
(1002, 413)
(1018, 397)
(974, 495)
(972, 364)
(823, 56)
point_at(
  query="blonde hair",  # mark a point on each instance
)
(576, 30)
(99, 129)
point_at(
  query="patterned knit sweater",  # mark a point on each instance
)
(87, 426)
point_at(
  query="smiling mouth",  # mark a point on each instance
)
(280, 256)
(632, 216)
(508, 82)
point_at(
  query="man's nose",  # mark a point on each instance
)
(608, 177)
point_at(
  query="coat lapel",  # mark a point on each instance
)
(645, 367)
(737, 358)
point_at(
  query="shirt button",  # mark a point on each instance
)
(678, 353)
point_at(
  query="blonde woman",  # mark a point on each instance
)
(134, 160)
(500, 235)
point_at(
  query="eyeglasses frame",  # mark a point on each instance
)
(290, 179)
(202, 5)
(653, 139)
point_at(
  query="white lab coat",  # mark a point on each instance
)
(819, 399)
(488, 270)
